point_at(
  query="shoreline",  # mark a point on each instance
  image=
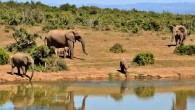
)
(148, 73)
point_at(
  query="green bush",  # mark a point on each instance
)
(117, 48)
(144, 58)
(43, 55)
(23, 41)
(55, 64)
(61, 64)
(185, 50)
(39, 54)
(4, 56)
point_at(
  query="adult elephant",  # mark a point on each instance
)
(179, 32)
(64, 38)
(22, 60)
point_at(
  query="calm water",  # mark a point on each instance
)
(99, 95)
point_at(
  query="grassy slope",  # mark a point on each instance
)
(100, 59)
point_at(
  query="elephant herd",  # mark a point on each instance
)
(179, 33)
(64, 41)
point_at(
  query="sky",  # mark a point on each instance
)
(102, 2)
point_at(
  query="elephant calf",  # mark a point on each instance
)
(124, 66)
(22, 60)
(62, 51)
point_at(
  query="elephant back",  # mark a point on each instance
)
(56, 38)
(20, 59)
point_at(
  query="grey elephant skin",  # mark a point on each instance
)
(23, 61)
(179, 32)
(124, 66)
(64, 38)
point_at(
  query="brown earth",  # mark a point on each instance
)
(101, 64)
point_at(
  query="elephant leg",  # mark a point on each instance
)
(18, 70)
(70, 45)
(23, 70)
(64, 54)
(122, 69)
(12, 71)
(176, 40)
(180, 41)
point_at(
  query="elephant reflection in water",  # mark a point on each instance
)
(70, 104)
(23, 97)
(123, 88)
(181, 99)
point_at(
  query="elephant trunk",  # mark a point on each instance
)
(32, 68)
(83, 45)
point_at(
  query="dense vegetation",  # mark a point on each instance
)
(42, 55)
(4, 56)
(69, 16)
(46, 61)
(144, 58)
(23, 41)
(185, 49)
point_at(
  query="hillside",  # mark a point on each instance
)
(101, 28)
(101, 63)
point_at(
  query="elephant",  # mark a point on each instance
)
(22, 60)
(179, 32)
(62, 51)
(23, 97)
(64, 38)
(124, 66)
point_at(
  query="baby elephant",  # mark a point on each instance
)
(62, 51)
(124, 66)
(22, 60)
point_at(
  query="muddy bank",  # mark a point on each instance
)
(102, 74)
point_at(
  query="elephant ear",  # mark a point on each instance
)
(182, 29)
(70, 36)
(25, 60)
(28, 60)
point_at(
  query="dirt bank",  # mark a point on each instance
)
(101, 64)
(103, 74)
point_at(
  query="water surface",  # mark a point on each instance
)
(99, 95)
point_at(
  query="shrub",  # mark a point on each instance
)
(117, 48)
(185, 50)
(143, 58)
(43, 55)
(23, 41)
(4, 56)
(40, 53)
(55, 64)
(61, 64)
